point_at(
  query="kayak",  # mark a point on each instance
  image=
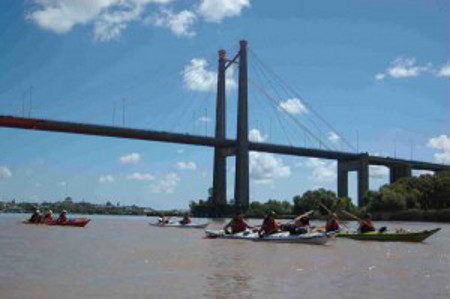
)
(178, 225)
(400, 236)
(77, 222)
(282, 237)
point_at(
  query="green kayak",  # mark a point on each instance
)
(402, 236)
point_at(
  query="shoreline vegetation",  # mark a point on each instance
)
(425, 198)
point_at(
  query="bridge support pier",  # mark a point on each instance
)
(219, 195)
(397, 172)
(361, 166)
(241, 186)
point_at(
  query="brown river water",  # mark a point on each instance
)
(123, 257)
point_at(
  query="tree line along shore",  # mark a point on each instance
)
(423, 198)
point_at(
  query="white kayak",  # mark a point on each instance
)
(178, 225)
(281, 237)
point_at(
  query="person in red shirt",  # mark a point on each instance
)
(36, 217)
(48, 217)
(332, 223)
(269, 225)
(62, 217)
(366, 225)
(237, 224)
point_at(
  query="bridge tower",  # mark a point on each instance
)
(219, 195)
(361, 166)
(241, 186)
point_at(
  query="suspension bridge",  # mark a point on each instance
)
(240, 147)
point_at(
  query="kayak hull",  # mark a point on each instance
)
(77, 222)
(391, 237)
(177, 225)
(283, 237)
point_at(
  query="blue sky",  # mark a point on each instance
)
(377, 69)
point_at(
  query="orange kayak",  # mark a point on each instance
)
(77, 222)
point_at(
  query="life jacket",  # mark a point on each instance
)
(35, 218)
(332, 225)
(366, 227)
(238, 226)
(48, 218)
(269, 226)
(62, 219)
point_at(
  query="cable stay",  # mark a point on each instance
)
(290, 89)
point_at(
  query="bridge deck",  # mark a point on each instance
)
(160, 136)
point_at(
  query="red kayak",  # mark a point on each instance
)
(78, 222)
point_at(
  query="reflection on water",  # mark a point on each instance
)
(120, 257)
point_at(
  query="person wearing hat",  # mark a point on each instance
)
(269, 225)
(48, 217)
(366, 225)
(62, 217)
(36, 217)
(332, 223)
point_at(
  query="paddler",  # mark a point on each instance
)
(186, 219)
(366, 225)
(62, 217)
(237, 224)
(332, 223)
(163, 219)
(269, 225)
(48, 217)
(36, 216)
(299, 225)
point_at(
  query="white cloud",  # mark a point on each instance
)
(204, 119)
(441, 143)
(255, 135)
(137, 176)
(178, 23)
(380, 76)
(216, 10)
(106, 179)
(166, 184)
(109, 17)
(186, 165)
(5, 172)
(444, 71)
(322, 171)
(378, 172)
(264, 168)
(403, 68)
(333, 137)
(196, 77)
(62, 183)
(423, 172)
(293, 106)
(132, 158)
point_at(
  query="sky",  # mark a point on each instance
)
(357, 76)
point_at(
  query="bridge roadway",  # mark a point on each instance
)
(227, 144)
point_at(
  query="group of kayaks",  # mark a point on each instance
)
(313, 237)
